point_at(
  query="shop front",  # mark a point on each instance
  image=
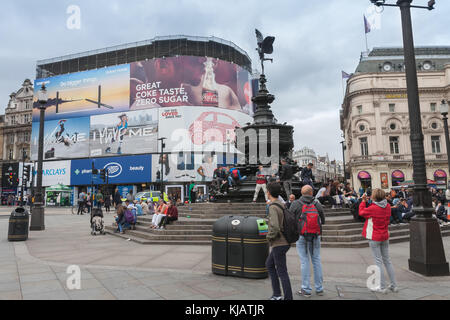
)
(365, 179)
(440, 176)
(125, 173)
(398, 177)
(58, 195)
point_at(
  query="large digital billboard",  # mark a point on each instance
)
(184, 167)
(124, 109)
(85, 93)
(134, 132)
(190, 81)
(64, 138)
(200, 129)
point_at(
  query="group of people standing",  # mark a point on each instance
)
(309, 214)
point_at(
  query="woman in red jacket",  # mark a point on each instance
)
(376, 230)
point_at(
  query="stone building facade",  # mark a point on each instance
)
(375, 120)
(323, 168)
(16, 127)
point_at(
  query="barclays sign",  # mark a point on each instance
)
(121, 170)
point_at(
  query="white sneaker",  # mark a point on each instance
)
(379, 290)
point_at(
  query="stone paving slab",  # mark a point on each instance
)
(112, 268)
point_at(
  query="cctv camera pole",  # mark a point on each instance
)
(427, 256)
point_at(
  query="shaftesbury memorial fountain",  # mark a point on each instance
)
(264, 142)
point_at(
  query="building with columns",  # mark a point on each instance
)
(323, 168)
(375, 121)
(17, 124)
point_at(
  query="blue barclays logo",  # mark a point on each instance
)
(54, 172)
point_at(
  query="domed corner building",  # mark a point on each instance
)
(111, 108)
(375, 120)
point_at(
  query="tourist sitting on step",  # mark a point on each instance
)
(172, 215)
(441, 212)
(139, 209)
(145, 209)
(120, 218)
(160, 212)
(235, 178)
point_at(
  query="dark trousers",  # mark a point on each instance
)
(408, 215)
(396, 215)
(324, 199)
(81, 205)
(276, 266)
(166, 220)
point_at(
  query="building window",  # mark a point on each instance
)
(393, 143)
(392, 126)
(362, 128)
(433, 107)
(436, 144)
(359, 109)
(10, 154)
(26, 136)
(391, 107)
(27, 104)
(24, 153)
(434, 125)
(364, 146)
(11, 138)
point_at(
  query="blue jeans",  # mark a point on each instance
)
(305, 250)
(119, 225)
(380, 251)
(277, 269)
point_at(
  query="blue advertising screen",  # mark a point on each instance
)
(127, 169)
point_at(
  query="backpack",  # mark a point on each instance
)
(290, 227)
(235, 174)
(129, 216)
(310, 223)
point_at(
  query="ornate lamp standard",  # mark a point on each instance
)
(37, 214)
(163, 145)
(427, 255)
(444, 112)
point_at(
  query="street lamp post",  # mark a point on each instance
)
(163, 145)
(343, 160)
(37, 214)
(427, 255)
(444, 112)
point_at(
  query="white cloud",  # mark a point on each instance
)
(315, 40)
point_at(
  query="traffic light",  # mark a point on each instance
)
(26, 173)
(10, 179)
(94, 171)
(103, 174)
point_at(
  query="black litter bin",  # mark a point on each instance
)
(18, 225)
(240, 247)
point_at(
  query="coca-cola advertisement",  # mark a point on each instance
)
(190, 81)
(200, 128)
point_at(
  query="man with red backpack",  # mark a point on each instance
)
(310, 217)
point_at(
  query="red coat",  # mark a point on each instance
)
(376, 227)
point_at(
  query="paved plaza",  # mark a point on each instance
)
(113, 268)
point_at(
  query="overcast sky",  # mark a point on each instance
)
(315, 40)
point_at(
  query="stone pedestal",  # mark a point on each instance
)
(427, 255)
